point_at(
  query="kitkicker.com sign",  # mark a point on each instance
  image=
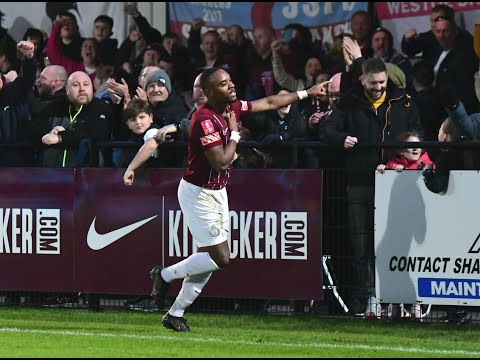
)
(253, 235)
(104, 237)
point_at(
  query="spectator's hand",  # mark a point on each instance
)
(350, 142)
(117, 88)
(126, 100)
(127, 67)
(428, 167)
(320, 89)
(135, 36)
(131, 10)
(26, 48)
(381, 168)
(276, 46)
(164, 132)
(50, 139)
(128, 177)
(399, 168)
(448, 96)
(116, 99)
(197, 24)
(11, 76)
(316, 118)
(351, 49)
(410, 34)
(141, 94)
(57, 129)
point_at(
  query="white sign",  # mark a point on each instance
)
(427, 245)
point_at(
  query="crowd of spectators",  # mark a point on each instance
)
(266, 65)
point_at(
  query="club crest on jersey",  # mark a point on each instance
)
(244, 105)
(207, 127)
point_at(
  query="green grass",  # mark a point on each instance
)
(69, 333)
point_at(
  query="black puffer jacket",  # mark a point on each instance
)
(355, 116)
(94, 122)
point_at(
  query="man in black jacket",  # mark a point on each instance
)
(15, 97)
(80, 117)
(374, 111)
(449, 50)
(49, 87)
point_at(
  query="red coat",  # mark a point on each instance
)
(56, 57)
(409, 164)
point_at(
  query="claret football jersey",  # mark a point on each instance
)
(208, 130)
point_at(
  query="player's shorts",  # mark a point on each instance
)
(205, 212)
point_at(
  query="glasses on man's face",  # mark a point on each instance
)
(438, 18)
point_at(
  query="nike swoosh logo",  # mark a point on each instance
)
(98, 241)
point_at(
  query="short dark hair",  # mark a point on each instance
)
(105, 19)
(452, 129)
(373, 66)
(423, 73)
(362, 13)
(206, 75)
(135, 107)
(447, 10)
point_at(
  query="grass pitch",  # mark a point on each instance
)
(70, 333)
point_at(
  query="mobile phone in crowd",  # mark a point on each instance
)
(287, 36)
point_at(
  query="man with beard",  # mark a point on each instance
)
(49, 87)
(372, 111)
(202, 191)
(78, 117)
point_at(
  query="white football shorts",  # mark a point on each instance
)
(205, 212)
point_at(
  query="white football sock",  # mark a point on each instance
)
(191, 288)
(195, 264)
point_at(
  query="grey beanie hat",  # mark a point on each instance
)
(159, 76)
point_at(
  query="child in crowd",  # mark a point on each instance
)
(410, 159)
(139, 118)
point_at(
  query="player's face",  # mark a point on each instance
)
(222, 87)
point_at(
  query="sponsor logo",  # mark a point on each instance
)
(252, 235)
(207, 127)
(98, 241)
(449, 288)
(25, 231)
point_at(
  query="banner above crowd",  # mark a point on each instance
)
(325, 19)
(398, 17)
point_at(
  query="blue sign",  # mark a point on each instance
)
(449, 288)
